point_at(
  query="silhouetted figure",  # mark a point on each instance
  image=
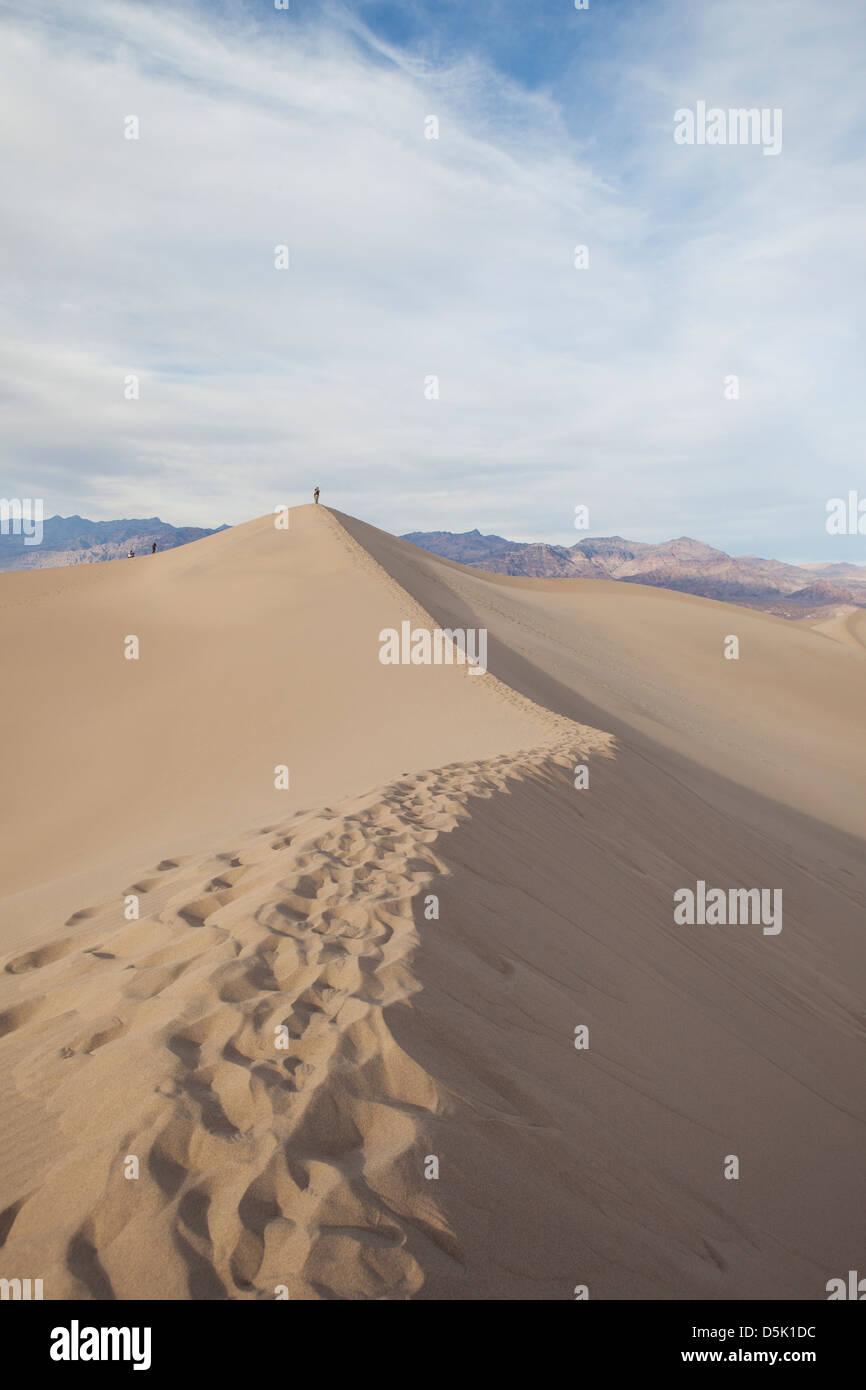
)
(153, 548)
(131, 555)
(316, 495)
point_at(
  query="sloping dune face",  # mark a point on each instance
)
(423, 1024)
(257, 649)
(785, 718)
(849, 628)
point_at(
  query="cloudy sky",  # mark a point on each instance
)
(411, 258)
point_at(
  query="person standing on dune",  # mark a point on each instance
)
(315, 494)
(153, 548)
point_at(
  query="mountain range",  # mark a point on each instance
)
(73, 540)
(814, 590)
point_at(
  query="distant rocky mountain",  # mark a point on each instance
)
(467, 548)
(834, 569)
(73, 540)
(817, 590)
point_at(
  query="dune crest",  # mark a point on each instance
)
(297, 1163)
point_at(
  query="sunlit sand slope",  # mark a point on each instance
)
(335, 1054)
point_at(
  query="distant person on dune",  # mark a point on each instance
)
(153, 548)
(131, 555)
(315, 494)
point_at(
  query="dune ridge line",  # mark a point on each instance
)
(300, 1167)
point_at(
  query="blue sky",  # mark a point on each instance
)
(454, 258)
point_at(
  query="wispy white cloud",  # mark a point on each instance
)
(412, 257)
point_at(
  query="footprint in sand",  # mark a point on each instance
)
(95, 1037)
(13, 1018)
(85, 913)
(145, 885)
(43, 955)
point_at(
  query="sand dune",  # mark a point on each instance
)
(848, 628)
(785, 720)
(257, 649)
(286, 1036)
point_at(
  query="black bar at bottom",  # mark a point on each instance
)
(255, 1339)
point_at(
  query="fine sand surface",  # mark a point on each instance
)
(848, 628)
(288, 1035)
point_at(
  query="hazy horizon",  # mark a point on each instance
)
(466, 530)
